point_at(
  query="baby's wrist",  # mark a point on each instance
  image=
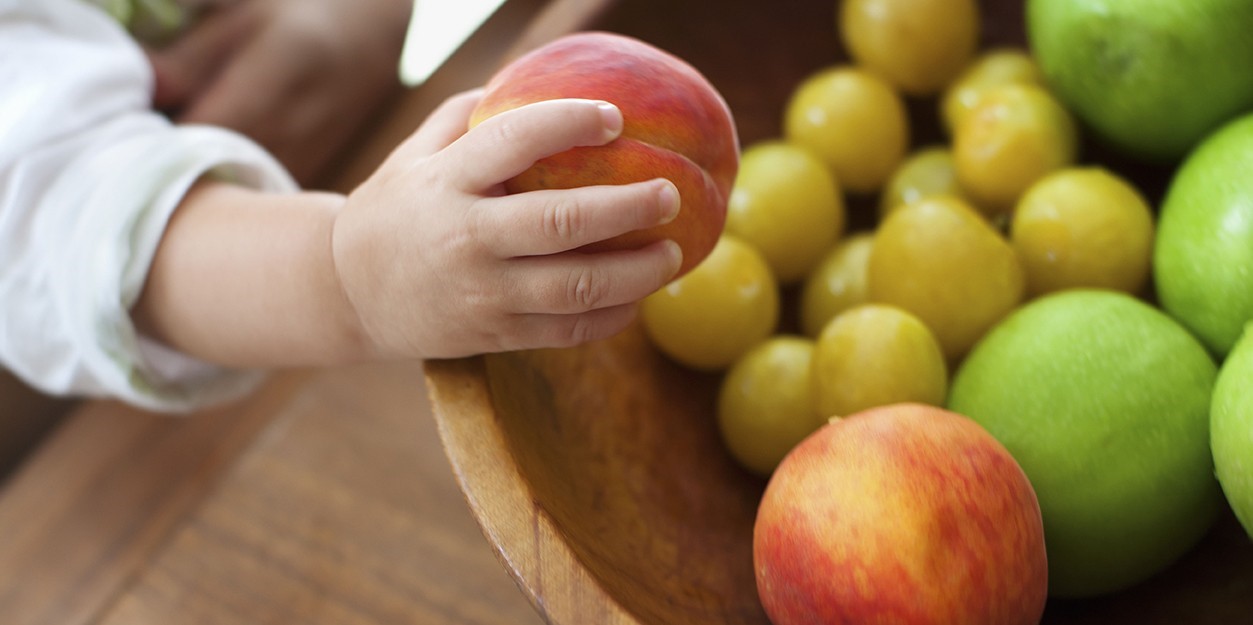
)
(352, 253)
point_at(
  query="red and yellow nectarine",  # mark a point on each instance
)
(675, 126)
(904, 514)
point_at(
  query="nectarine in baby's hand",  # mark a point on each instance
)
(676, 126)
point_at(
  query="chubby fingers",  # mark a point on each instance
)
(443, 126)
(508, 143)
(558, 331)
(576, 282)
(569, 299)
(552, 221)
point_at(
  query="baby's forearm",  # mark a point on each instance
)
(247, 279)
(427, 258)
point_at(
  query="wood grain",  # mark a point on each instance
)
(101, 495)
(343, 511)
(26, 417)
(525, 537)
(650, 512)
(324, 498)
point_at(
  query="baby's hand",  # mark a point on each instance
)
(298, 76)
(438, 262)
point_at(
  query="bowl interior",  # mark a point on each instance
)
(620, 450)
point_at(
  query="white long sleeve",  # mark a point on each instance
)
(89, 176)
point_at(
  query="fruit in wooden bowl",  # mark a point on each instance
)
(598, 473)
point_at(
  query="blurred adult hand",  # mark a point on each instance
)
(301, 77)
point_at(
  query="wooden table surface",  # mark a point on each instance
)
(323, 498)
(326, 498)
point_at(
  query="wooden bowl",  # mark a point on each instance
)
(597, 473)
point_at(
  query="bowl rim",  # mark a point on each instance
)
(522, 534)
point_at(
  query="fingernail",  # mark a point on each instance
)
(670, 202)
(612, 118)
(675, 253)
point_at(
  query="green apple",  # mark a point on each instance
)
(1150, 76)
(1231, 429)
(1203, 255)
(1104, 401)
